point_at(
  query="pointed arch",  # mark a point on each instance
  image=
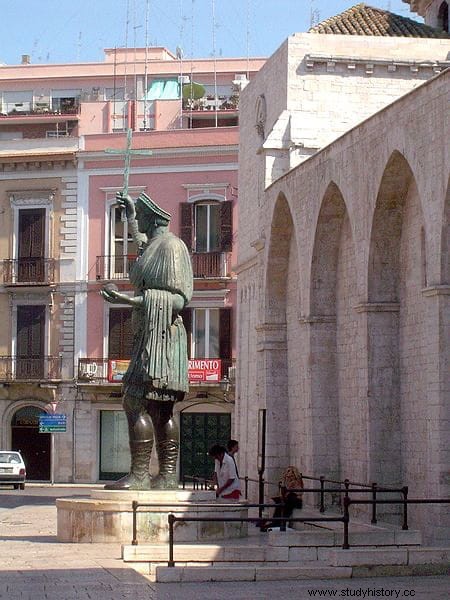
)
(281, 232)
(325, 253)
(332, 337)
(282, 283)
(383, 283)
(396, 276)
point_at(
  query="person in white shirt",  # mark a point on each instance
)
(228, 485)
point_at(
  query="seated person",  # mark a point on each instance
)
(228, 485)
(290, 480)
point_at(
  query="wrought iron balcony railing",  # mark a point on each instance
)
(28, 271)
(206, 265)
(114, 267)
(24, 368)
(106, 370)
(211, 265)
(93, 370)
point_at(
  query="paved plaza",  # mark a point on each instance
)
(33, 565)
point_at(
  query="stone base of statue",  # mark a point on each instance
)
(107, 516)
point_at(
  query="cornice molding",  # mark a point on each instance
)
(367, 307)
(437, 290)
(31, 197)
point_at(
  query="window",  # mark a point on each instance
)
(120, 336)
(30, 341)
(65, 101)
(208, 332)
(31, 245)
(117, 93)
(205, 333)
(17, 102)
(123, 250)
(207, 226)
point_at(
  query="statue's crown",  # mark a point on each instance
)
(153, 207)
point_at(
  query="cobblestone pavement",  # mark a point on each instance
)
(34, 566)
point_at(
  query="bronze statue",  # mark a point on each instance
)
(157, 375)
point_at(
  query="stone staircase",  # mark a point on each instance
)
(309, 552)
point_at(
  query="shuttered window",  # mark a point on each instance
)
(120, 333)
(186, 224)
(207, 226)
(30, 341)
(31, 244)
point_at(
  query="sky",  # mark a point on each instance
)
(58, 31)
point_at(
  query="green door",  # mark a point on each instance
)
(200, 431)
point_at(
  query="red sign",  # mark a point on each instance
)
(116, 370)
(204, 370)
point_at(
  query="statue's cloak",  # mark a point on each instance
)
(159, 366)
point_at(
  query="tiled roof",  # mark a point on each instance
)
(366, 20)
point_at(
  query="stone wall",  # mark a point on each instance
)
(349, 337)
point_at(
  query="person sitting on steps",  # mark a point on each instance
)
(288, 500)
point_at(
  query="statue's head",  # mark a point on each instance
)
(149, 214)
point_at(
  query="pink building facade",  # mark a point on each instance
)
(63, 121)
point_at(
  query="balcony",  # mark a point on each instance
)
(113, 267)
(26, 368)
(40, 109)
(208, 103)
(101, 371)
(93, 370)
(28, 271)
(211, 265)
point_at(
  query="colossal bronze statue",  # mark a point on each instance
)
(157, 375)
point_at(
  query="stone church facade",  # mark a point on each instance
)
(343, 275)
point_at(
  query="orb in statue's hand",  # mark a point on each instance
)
(111, 287)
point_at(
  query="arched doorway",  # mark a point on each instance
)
(34, 446)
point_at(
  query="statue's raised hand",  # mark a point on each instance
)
(126, 202)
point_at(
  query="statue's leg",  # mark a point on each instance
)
(167, 443)
(140, 432)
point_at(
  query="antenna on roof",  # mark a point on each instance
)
(79, 47)
(314, 18)
(147, 11)
(213, 8)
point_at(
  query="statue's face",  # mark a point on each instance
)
(144, 219)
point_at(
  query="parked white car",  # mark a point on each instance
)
(12, 469)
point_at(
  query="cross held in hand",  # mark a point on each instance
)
(128, 153)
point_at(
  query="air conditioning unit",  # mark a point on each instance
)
(184, 79)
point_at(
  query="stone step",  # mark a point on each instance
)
(386, 556)
(176, 574)
(205, 553)
(364, 537)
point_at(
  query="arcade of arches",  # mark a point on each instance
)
(343, 307)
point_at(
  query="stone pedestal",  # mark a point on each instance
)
(107, 516)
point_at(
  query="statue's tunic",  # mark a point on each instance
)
(158, 366)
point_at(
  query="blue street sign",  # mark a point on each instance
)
(52, 423)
